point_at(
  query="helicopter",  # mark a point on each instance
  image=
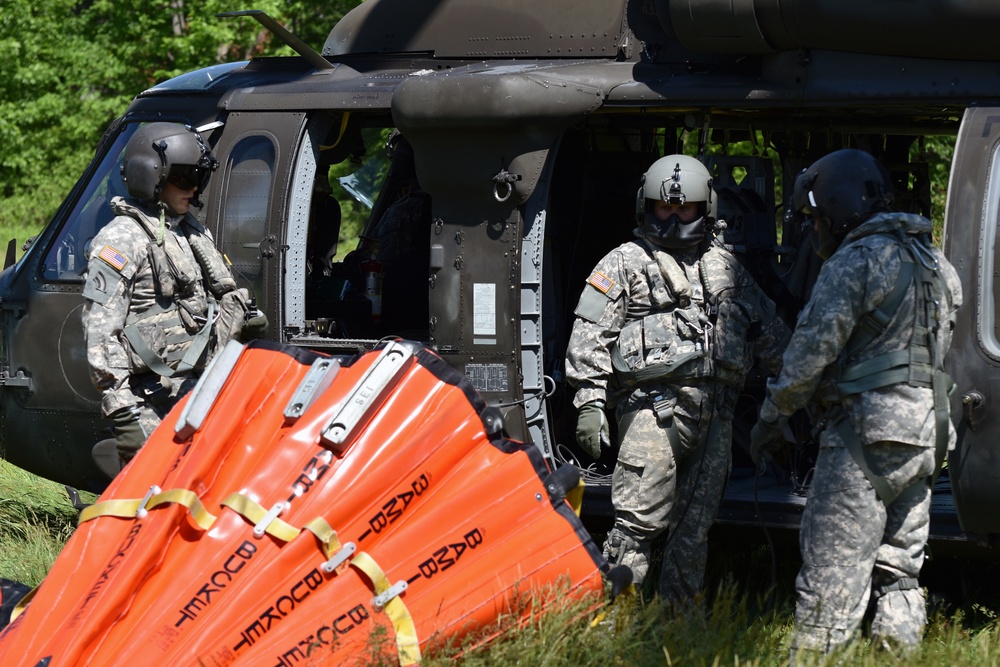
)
(530, 125)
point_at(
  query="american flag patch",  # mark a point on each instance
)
(601, 281)
(114, 258)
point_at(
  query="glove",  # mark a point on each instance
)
(129, 436)
(766, 438)
(592, 429)
(255, 327)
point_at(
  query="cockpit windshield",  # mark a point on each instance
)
(66, 257)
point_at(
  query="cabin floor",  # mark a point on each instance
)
(757, 502)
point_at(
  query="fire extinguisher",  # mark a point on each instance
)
(372, 272)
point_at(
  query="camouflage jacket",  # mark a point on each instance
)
(123, 285)
(669, 318)
(857, 279)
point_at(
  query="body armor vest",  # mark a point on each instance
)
(172, 335)
(698, 328)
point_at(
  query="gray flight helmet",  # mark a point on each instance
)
(676, 179)
(154, 149)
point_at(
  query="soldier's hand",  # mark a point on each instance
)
(766, 438)
(592, 429)
(255, 327)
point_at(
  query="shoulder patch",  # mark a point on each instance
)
(601, 282)
(115, 259)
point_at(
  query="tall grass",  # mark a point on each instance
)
(725, 629)
(745, 619)
(36, 519)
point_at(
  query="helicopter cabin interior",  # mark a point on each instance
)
(589, 202)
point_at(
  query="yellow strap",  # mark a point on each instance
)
(190, 500)
(127, 509)
(326, 535)
(343, 128)
(407, 644)
(575, 497)
(250, 510)
(22, 604)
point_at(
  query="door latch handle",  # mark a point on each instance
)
(972, 401)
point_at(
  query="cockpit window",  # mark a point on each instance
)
(200, 79)
(66, 258)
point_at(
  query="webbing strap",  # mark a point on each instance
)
(326, 535)
(575, 497)
(942, 387)
(407, 644)
(874, 323)
(22, 604)
(902, 584)
(252, 511)
(857, 450)
(191, 356)
(129, 509)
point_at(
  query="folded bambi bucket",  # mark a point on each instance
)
(294, 504)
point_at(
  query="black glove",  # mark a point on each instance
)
(766, 438)
(129, 436)
(255, 327)
(592, 429)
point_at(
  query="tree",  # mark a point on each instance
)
(71, 67)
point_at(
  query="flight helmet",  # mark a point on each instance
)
(840, 191)
(676, 179)
(161, 152)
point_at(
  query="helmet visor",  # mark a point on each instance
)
(184, 176)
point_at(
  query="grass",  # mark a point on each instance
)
(36, 519)
(745, 621)
(726, 630)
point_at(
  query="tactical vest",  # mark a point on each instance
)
(171, 336)
(921, 364)
(699, 328)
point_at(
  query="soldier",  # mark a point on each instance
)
(867, 356)
(667, 328)
(160, 299)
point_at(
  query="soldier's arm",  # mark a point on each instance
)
(107, 293)
(823, 328)
(600, 315)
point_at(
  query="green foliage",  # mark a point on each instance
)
(71, 67)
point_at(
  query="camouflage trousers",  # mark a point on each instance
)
(657, 486)
(854, 547)
(156, 396)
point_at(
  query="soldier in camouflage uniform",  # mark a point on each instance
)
(866, 359)
(160, 299)
(667, 327)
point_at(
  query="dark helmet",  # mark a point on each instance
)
(840, 191)
(161, 150)
(676, 179)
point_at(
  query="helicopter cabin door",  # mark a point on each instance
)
(972, 243)
(251, 199)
